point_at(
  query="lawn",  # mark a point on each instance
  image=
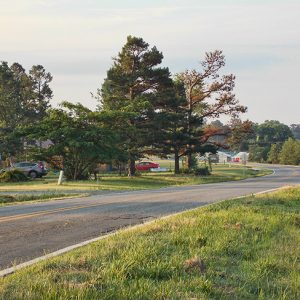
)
(247, 248)
(144, 181)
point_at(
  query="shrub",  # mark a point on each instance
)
(185, 171)
(204, 171)
(13, 175)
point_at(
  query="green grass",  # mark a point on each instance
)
(8, 199)
(245, 248)
(145, 181)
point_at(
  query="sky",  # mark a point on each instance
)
(75, 41)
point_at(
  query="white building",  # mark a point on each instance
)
(224, 157)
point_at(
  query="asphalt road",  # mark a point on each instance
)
(28, 231)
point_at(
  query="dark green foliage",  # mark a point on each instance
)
(79, 139)
(24, 99)
(268, 133)
(171, 131)
(38, 81)
(197, 171)
(295, 128)
(6, 199)
(178, 133)
(10, 142)
(258, 153)
(10, 109)
(13, 175)
(271, 132)
(135, 84)
(10, 102)
(204, 171)
(273, 155)
(168, 115)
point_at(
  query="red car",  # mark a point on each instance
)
(146, 166)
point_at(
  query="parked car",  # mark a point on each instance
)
(146, 166)
(31, 169)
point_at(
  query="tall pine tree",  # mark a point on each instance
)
(136, 84)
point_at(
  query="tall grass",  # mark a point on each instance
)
(238, 249)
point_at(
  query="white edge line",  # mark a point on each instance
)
(13, 269)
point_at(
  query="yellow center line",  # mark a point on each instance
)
(46, 212)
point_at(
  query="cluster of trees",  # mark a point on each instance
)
(264, 136)
(295, 128)
(24, 100)
(142, 110)
(270, 141)
(167, 114)
(287, 154)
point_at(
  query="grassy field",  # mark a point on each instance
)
(145, 181)
(245, 248)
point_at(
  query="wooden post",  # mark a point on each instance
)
(60, 178)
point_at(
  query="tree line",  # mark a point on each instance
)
(142, 110)
(269, 142)
(24, 100)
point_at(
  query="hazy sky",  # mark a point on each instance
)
(75, 40)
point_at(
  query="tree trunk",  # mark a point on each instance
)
(176, 171)
(189, 161)
(75, 173)
(119, 168)
(131, 167)
(189, 153)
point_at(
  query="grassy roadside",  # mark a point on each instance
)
(145, 181)
(238, 249)
(14, 199)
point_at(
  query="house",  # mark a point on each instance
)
(224, 157)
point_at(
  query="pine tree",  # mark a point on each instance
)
(135, 84)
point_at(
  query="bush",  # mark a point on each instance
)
(185, 171)
(201, 171)
(13, 176)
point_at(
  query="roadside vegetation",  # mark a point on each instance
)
(245, 248)
(13, 199)
(13, 176)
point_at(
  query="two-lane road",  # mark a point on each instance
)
(31, 230)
